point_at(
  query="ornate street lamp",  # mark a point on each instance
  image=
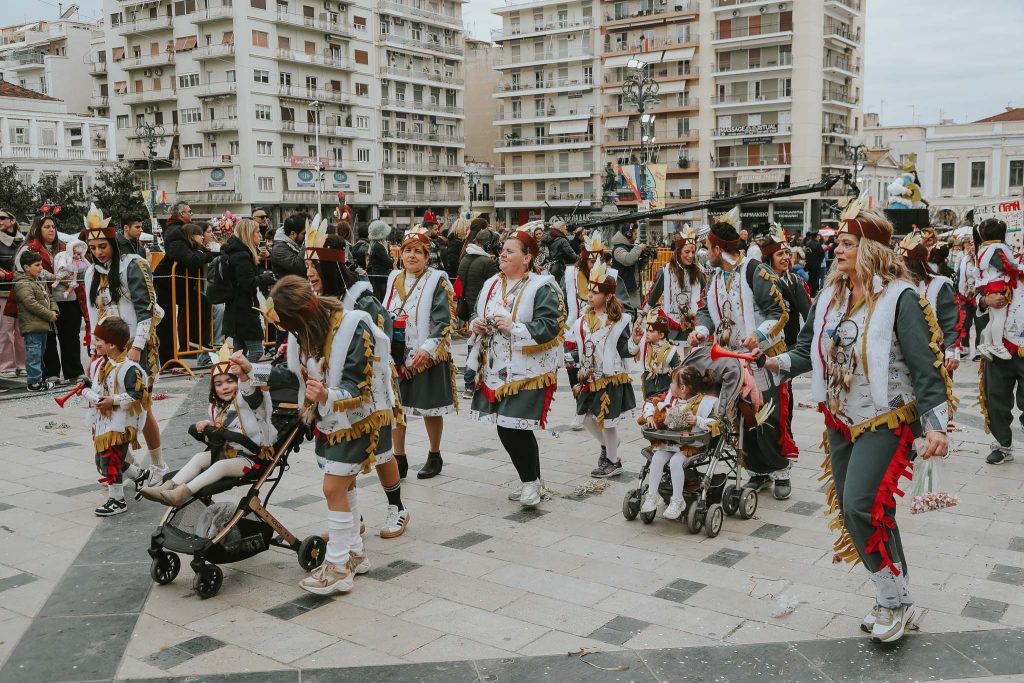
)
(151, 135)
(640, 90)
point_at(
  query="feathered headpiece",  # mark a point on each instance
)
(910, 165)
(853, 222)
(732, 217)
(774, 239)
(685, 236)
(227, 223)
(594, 243)
(912, 246)
(417, 235)
(220, 362)
(96, 226)
(290, 323)
(600, 279)
(656, 320)
(316, 235)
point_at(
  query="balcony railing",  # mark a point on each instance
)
(503, 195)
(216, 125)
(315, 94)
(749, 99)
(213, 51)
(661, 137)
(838, 95)
(423, 137)
(161, 23)
(213, 13)
(542, 168)
(510, 86)
(739, 32)
(638, 11)
(98, 102)
(22, 59)
(842, 64)
(420, 167)
(147, 61)
(545, 55)
(98, 68)
(551, 112)
(421, 197)
(399, 103)
(649, 45)
(216, 88)
(842, 31)
(785, 60)
(424, 74)
(517, 30)
(753, 130)
(435, 45)
(326, 58)
(516, 141)
(151, 96)
(836, 129)
(854, 5)
(389, 7)
(747, 162)
(55, 153)
(688, 101)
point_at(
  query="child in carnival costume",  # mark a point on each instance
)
(675, 294)
(657, 355)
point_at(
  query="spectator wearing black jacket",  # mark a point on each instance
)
(12, 346)
(457, 237)
(626, 253)
(474, 270)
(379, 263)
(242, 320)
(814, 256)
(286, 257)
(129, 237)
(560, 251)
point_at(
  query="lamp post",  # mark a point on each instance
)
(857, 153)
(640, 90)
(471, 180)
(317, 106)
(151, 134)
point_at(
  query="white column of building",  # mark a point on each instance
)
(5, 138)
(33, 139)
(59, 139)
(87, 139)
(995, 184)
(111, 142)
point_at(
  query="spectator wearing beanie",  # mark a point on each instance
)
(379, 263)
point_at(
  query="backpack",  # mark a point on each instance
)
(544, 259)
(218, 289)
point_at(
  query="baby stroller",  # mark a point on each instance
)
(715, 493)
(221, 533)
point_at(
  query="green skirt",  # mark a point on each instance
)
(611, 407)
(345, 458)
(526, 410)
(429, 393)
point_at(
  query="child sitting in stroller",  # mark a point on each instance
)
(687, 405)
(231, 422)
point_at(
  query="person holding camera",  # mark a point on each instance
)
(242, 321)
(627, 256)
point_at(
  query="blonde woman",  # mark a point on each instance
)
(876, 396)
(242, 322)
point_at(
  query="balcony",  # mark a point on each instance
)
(55, 153)
(398, 9)
(311, 128)
(786, 62)
(432, 45)
(216, 125)
(213, 52)
(842, 65)
(639, 15)
(549, 114)
(204, 198)
(838, 96)
(98, 68)
(746, 162)
(689, 102)
(750, 100)
(651, 45)
(522, 60)
(424, 74)
(666, 75)
(141, 26)
(506, 88)
(512, 199)
(541, 172)
(758, 130)
(213, 13)
(98, 102)
(840, 130)
(399, 197)
(514, 143)
(297, 92)
(851, 7)
(661, 138)
(413, 167)
(429, 138)
(843, 34)
(327, 58)
(217, 88)
(147, 61)
(765, 34)
(151, 96)
(419, 105)
(516, 31)
(683, 166)
(23, 60)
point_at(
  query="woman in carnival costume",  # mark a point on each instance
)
(675, 294)
(876, 396)
(419, 299)
(938, 290)
(121, 286)
(516, 353)
(340, 358)
(604, 392)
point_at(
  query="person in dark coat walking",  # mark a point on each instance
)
(560, 251)
(242, 320)
(476, 268)
(180, 251)
(379, 263)
(814, 256)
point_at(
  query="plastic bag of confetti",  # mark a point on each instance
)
(928, 493)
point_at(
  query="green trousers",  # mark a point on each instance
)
(1003, 382)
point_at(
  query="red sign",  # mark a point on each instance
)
(310, 162)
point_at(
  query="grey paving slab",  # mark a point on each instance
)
(396, 568)
(725, 557)
(770, 531)
(466, 540)
(1004, 573)
(19, 579)
(79, 490)
(434, 672)
(57, 446)
(98, 589)
(5, 506)
(1001, 652)
(296, 503)
(917, 657)
(69, 649)
(773, 662)
(35, 415)
(526, 515)
(804, 507)
(200, 645)
(562, 668)
(1016, 543)
(281, 676)
(285, 611)
(679, 590)
(618, 630)
(477, 451)
(168, 658)
(984, 609)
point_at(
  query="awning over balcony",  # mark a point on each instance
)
(184, 43)
(653, 57)
(567, 127)
(616, 123)
(671, 87)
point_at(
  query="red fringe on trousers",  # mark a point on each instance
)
(884, 508)
(788, 445)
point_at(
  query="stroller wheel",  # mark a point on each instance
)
(695, 517)
(648, 517)
(713, 520)
(208, 581)
(730, 500)
(748, 503)
(164, 568)
(631, 504)
(312, 552)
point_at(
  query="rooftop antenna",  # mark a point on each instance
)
(69, 12)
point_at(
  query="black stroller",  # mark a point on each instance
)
(214, 534)
(709, 494)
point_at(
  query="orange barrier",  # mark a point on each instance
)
(188, 307)
(651, 268)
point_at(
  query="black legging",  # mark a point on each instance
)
(521, 445)
(63, 355)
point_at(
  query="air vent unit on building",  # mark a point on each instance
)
(762, 10)
(149, 109)
(571, 36)
(210, 137)
(331, 141)
(307, 138)
(158, 71)
(147, 72)
(399, 21)
(735, 12)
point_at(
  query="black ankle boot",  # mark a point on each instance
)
(432, 468)
(403, 466)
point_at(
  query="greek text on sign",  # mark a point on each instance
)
(759, 129)
(309, 162)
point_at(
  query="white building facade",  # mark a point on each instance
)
(49, 57)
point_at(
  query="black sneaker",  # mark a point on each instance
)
(41, 386)
(111, 507)
(782, 489)
(998, 457)
(606, 468)
(141, 482)
(758, 482)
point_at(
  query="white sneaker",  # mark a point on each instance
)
(394, 522)
(650, 502)
(515, 495)
(889, 624)
(157, 474)
(1000, 352)
(530, 495)
(675, 508)
(986, 351)
(869, 621)
(357, 564)
(327, 579)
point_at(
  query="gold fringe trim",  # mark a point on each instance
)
(603, 382)
(104, 441)
(606, 404)
(371, 423)
(559, 339)
(364, 386)
(843, 548)
(780, 324)
(936, 346)
(982, 389)
(512, 388)
(905, 414)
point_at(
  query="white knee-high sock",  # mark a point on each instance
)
(355, 543)
(132, 471)
(116, 491)
(996, 323)
(658, 462)
(590, 424)
(675, 467)
(339, 529)
(156, 459)
(611, 443)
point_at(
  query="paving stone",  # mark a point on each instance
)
(984, 609)
(79, 490)
(15, 580)
(804, 507)
(286, 611)
(477, 451)
(396, 568)
(168, 658)
(679, 590)
(57, 446)
(526, 514)
(770, 531)
(618, 630)
(296, 503)
(725, 557)
(739, 664)
(920, 657)
(1016, 543)
(561, 668)
(466, 540)
(35, 415)
(86, 647)
(200, 645)
(1004, 573)
(432, 672)
(998, 651)
(5, 506)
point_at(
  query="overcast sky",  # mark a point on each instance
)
(924, 58)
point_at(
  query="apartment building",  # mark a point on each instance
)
(248, 97)
(48, 57)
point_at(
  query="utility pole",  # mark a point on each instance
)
(150, 135)
(317, 106)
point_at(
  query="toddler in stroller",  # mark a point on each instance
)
(686, 407)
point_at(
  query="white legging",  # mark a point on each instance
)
(199, 472)
(675, 462)
(607, 437)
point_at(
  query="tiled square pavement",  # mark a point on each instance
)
(479, 589)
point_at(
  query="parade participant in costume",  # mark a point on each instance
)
(938, 291)
(604, 392)
(692, 394)
(872, 346)
(775, 252)
(121, 285)
(118, 399)
(329, 276)
(675, 294)
(966, 297)
(999, 274)
(419, 299)
(515, 353)
(658, 356)
(743, 307)
(246, 423)
(341, 360)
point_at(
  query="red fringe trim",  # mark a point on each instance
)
(834, 424)
(549, 397)
(961, 332)
(788, 445)
(1010, 271)
(488, 393)
(884, 508)
(115, 463)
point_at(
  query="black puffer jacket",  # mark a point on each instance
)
(241, 320)
(560, 252)
(474, 270)
(7, 254)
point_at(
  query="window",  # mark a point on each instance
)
(263, 112)
(79, 181)
(362, 89)
(310, 82)
(977, 175)
(264, 148)
(364, 187)
(191, 115)
(192, 151)
(265, 183)
(363, 155)
(188, 80)
(359, 23)
(233, 147)
(260, 76)
(260, 39)
(1016, 172)
(122, 122)
(362, 57)
(229, 76)
(284, 78)
(258, 4)
(948, 175)
(284, 43)
(878, 141)
(363, 122)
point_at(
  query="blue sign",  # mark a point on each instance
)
(217, 179)
(340, 176)
(305, 175)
